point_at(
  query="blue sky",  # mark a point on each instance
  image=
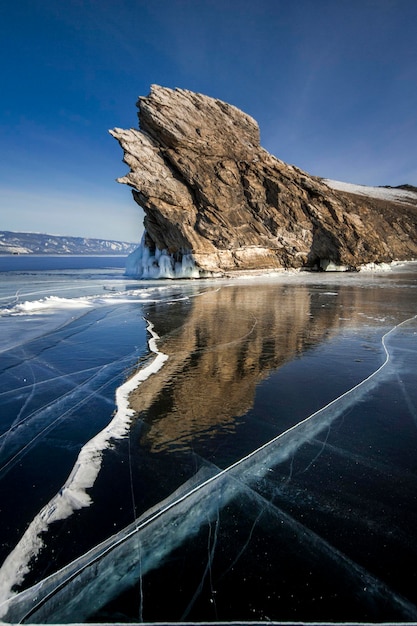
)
(332, 84)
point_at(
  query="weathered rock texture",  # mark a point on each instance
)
(208, 188)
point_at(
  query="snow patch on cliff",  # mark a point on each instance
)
(393, 194)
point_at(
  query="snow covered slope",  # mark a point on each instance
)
(392, 194)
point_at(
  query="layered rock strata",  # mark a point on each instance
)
(215, 201)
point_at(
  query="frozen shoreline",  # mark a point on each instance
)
(302, 273)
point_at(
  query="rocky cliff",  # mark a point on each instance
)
(215, 201)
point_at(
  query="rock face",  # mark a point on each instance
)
(213, 197)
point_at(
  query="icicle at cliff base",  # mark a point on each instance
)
(147, 264)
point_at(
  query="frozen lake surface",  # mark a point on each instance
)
(208, 450)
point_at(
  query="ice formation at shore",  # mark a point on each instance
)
(145, 263)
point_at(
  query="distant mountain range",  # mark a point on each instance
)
(37, 243)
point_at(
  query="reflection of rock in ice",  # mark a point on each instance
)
(226, 342)
(216, 359)
(83, 587)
